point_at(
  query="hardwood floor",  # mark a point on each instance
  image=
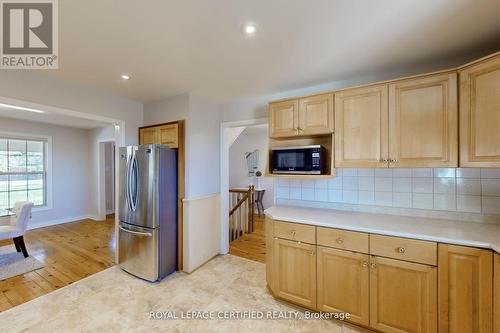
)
(251, 246)
(70, 251)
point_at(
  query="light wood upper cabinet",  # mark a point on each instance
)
(163, 134)
(480, 114)
(295, 272)
(343, 283)
(148, 135)
(306, 116)
(423, 124)
(403, 296)
(497, 294)
(169, 135)
(465, 289)
(361, 127)
(316, 115)
(284, 119)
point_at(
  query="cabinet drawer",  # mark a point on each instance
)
(294, 231)
(404, 249)
(343, 239)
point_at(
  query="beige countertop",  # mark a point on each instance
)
(444, 231)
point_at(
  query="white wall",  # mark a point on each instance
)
(252, 138)
(70, 169)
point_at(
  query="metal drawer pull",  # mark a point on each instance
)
(292, 233)
(365, 264)
(401, 249)
(340, 240)
(374, 265)
(147, 234)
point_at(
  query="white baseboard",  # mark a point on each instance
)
(49, 223)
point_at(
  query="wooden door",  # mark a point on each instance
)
(465, 289)
(284, 118)
(169, 135)
(316, 115)
(295, 272)
(480, 114)
(496, 294)
(423, 124)
(148, 135)
(343, 283)
(361, 128)
(403, 296)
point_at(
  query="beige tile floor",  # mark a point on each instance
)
(113, 301)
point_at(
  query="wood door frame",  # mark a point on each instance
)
(224, 177)
(180, 184)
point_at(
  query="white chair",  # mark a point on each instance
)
(17, 226)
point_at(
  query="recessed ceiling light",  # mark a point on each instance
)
(249, 29)
(22, 108)
(125, 77)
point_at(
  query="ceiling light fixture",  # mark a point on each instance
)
(22, 108)
(125, 77)
(249, 29)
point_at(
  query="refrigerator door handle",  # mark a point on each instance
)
(133, 178)
(138, 233)
(127, 184)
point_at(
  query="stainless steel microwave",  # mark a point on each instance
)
(307, 160)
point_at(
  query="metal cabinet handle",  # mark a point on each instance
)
(383, 160)
(340, 240)
(401, 250)
(374, 265)
(392, 160)
(292, 233)
(364, 264)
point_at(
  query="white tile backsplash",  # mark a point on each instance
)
(467, 190)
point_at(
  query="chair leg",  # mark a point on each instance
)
(20, 241)
(16, 244)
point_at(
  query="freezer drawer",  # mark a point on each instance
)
(138, 251)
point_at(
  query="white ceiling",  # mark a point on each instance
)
(170, 47)
(51, 118)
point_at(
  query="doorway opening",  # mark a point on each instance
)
(245, 189)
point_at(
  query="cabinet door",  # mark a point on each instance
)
(403, 296)
(343, 283)
(361, 128)
(480, 115)
(169, 135)
(423, 122)
(283, 118)
(269, 253)
(148, 135)
(316, 115)
(295, 272)
(465, 289)
(497, 294)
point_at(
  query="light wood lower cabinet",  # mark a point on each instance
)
(465, 289)
(270, 253)
(343, 283)
(403, 296)
(295, 272)
(497, 294)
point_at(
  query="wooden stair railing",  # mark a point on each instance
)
(241, 214)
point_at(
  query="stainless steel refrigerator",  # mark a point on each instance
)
(148, 211)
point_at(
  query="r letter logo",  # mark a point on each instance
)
(29, 34)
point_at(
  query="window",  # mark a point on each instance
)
(23, 171)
